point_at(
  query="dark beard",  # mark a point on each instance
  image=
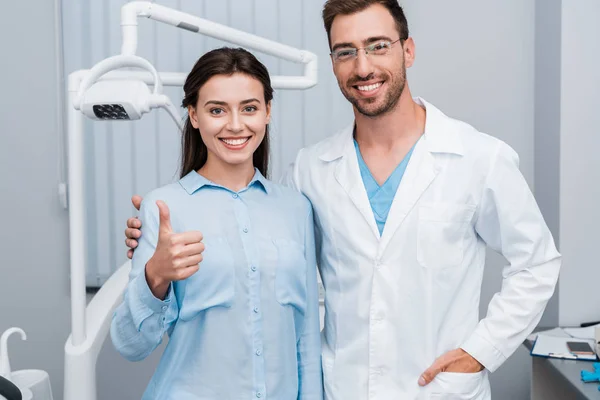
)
(390, 101)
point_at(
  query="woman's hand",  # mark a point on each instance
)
(176, 257)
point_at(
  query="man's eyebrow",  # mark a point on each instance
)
(377, 38)
(340, 45)
(365, 42)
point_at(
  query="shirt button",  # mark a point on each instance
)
(245, 230)
(258, 394)
(235, 195)
(164, 308)
(258, 352)
(256, 310)
(253, 268)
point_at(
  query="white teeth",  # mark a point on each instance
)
(369, 87)
(235, 142)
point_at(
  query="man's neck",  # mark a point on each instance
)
(405, 123)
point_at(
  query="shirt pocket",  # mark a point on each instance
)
(441, 234)
(213, 285)
(290, 274)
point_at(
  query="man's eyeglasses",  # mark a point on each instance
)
(350, 53)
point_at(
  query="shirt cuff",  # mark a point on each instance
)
(143, 303)
(484, 352)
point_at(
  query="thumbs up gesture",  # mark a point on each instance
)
(176, 257)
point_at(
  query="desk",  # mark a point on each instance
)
(556, 379)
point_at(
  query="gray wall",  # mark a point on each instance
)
(580, 162)
(34, 279)
(475, 60)
(547, 124)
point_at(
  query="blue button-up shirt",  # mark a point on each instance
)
(246, 325)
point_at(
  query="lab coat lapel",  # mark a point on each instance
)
(419, 174)
(347, 174)
(441, 137)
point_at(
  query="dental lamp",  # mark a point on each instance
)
(121, 100)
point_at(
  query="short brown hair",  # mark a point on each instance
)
(333, 8)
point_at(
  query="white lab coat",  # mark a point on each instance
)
(397, 302)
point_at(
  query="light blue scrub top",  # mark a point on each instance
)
(246, 324)
(381, 197)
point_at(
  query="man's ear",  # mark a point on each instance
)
(409, 52)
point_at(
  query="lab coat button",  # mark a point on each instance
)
(259, 395)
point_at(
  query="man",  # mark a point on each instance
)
(405, 201)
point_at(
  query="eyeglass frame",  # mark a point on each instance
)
(365, 48)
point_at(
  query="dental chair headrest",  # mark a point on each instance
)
(9, 390)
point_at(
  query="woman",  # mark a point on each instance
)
(226, 263)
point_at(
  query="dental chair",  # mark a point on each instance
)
(26, 384)
(105, 93)
(9, 391)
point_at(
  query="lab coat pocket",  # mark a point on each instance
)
(214, 283)
(457, 386)
(290, 274)
(441, 234)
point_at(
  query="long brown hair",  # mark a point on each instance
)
(222, 61)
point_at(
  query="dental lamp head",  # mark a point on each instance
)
(116, 100)
(122, 99)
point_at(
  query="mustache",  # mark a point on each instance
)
(356, 80)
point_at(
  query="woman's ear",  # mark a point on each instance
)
(269, 112)
(193, 116)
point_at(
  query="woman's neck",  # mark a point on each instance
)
(234, 177)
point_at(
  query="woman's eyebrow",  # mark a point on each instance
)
(223, 103)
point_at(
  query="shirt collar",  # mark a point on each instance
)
(193, 182)
(442, 133)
